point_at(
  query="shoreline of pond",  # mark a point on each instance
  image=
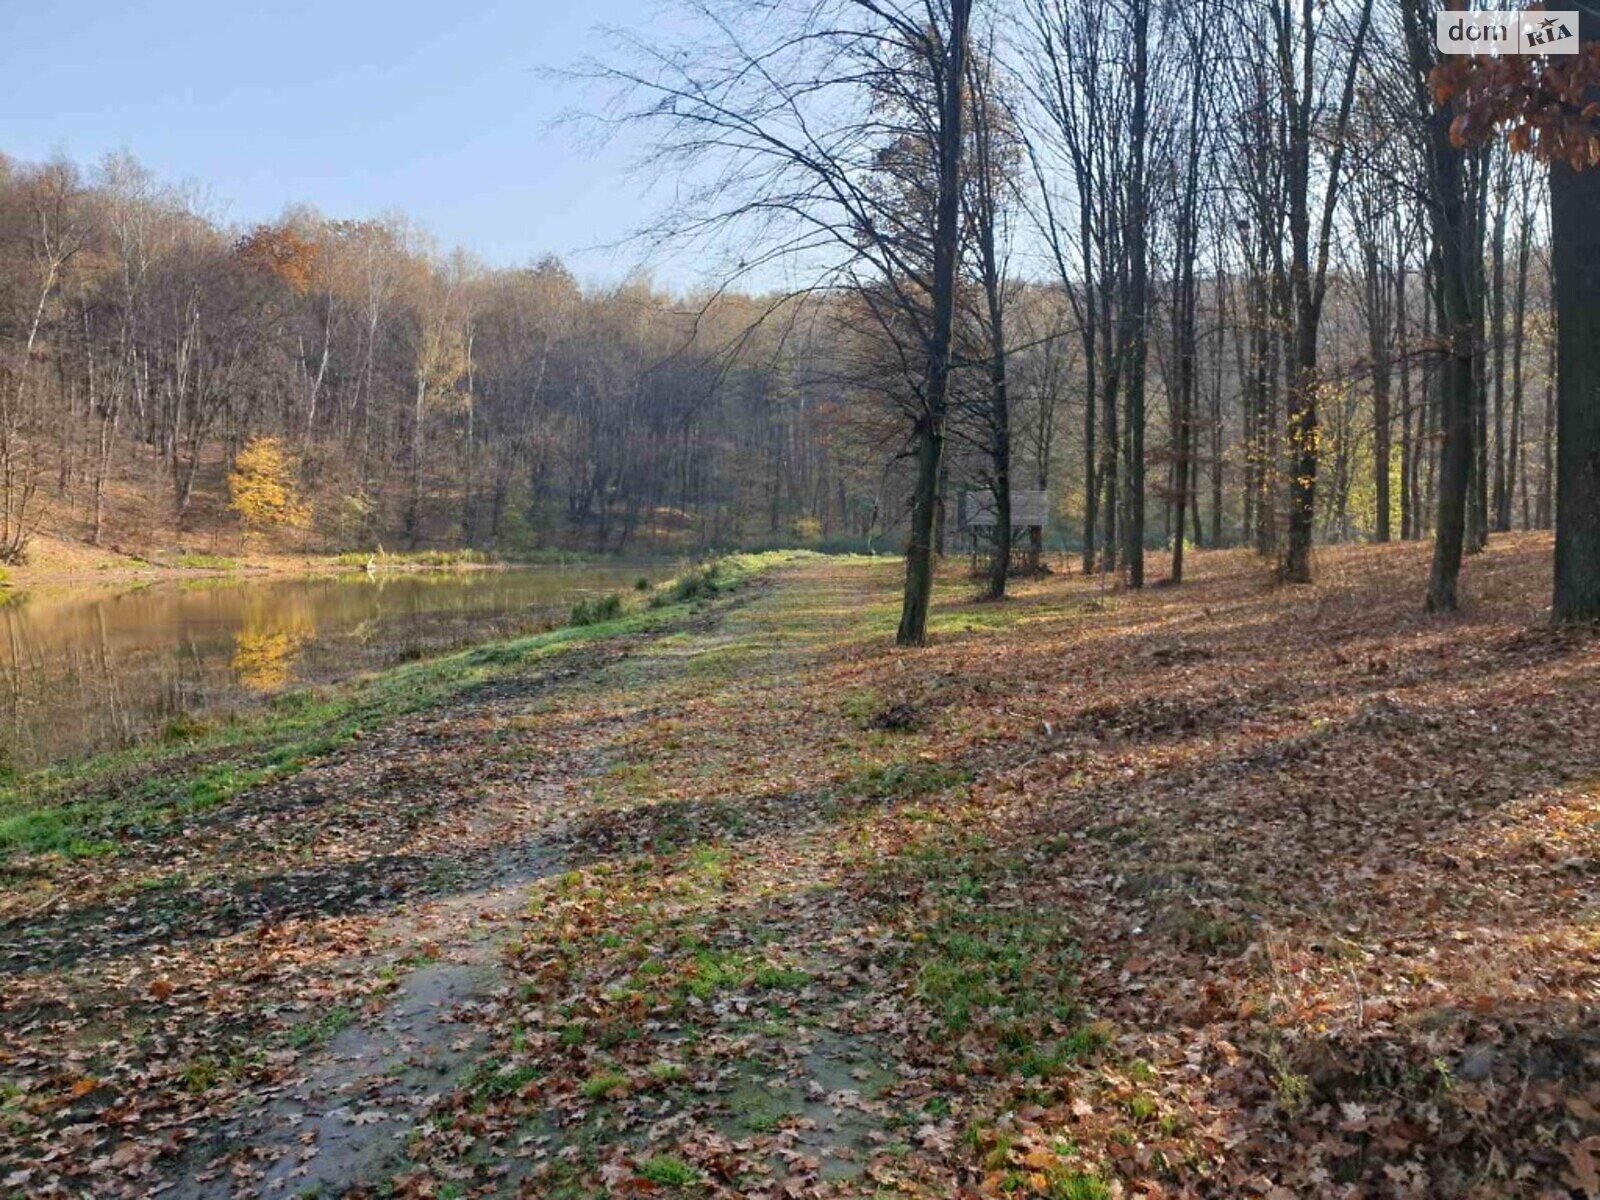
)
(54, 807)
(103, 663)
(126, 572)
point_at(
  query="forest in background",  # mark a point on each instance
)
(410, 397)
(424, 399)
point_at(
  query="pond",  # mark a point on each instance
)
(97, 669)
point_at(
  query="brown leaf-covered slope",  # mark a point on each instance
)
(1223, 890)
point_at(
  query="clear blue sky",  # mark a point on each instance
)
(435, 109)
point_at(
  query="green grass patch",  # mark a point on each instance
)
(322, 1030)
(861, 705)
(997, 966)
(903, 780)
(186, 727)
(1063, 1184)
(708, 972)
(979, 955)
(207, 562)
(499, 1080)
(666, 1171)
(602, 1084)
(1142, 1107)
(666, 1072)
(720, 575)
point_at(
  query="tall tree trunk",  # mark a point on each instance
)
(1432, 378)
(1109, 478)
(1001, 566)
(985, 183)
(1378, 347)
(1456, 391)
(1091, 474)
(1303, 449)
(1575, 242)
(1545, 518)
(1186, 483)
(929, 431)
(1499, 491)
(913, 629)
(1407, 451)
(1137, 315)
(1478, 296)
(413, 520)
(1519, 314)
(1217, 480)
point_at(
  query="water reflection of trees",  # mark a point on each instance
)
(265, 661)
(268, 644)
(88, 671)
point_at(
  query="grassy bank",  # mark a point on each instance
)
(84, 808)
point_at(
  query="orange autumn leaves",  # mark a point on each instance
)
(282, 253)
(1543, 104)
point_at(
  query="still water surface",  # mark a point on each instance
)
(96, 669)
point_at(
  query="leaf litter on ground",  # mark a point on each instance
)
(1222, 890)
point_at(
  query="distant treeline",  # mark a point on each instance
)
(420, 397)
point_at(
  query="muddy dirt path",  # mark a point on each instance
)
(265, 1001)
(343, 1120)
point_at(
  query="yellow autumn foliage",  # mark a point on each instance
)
(263, 487)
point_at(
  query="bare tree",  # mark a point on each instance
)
(990, 176)
(1448, 210)
(1318, 50)
(56, 231)
(832, 137)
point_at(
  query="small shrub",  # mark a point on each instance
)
(806, 530)
(640, 584)
(593, 612)
(264, 488)
(355, 519)
(700, 584)
(186, 727)
(1290, 1089)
